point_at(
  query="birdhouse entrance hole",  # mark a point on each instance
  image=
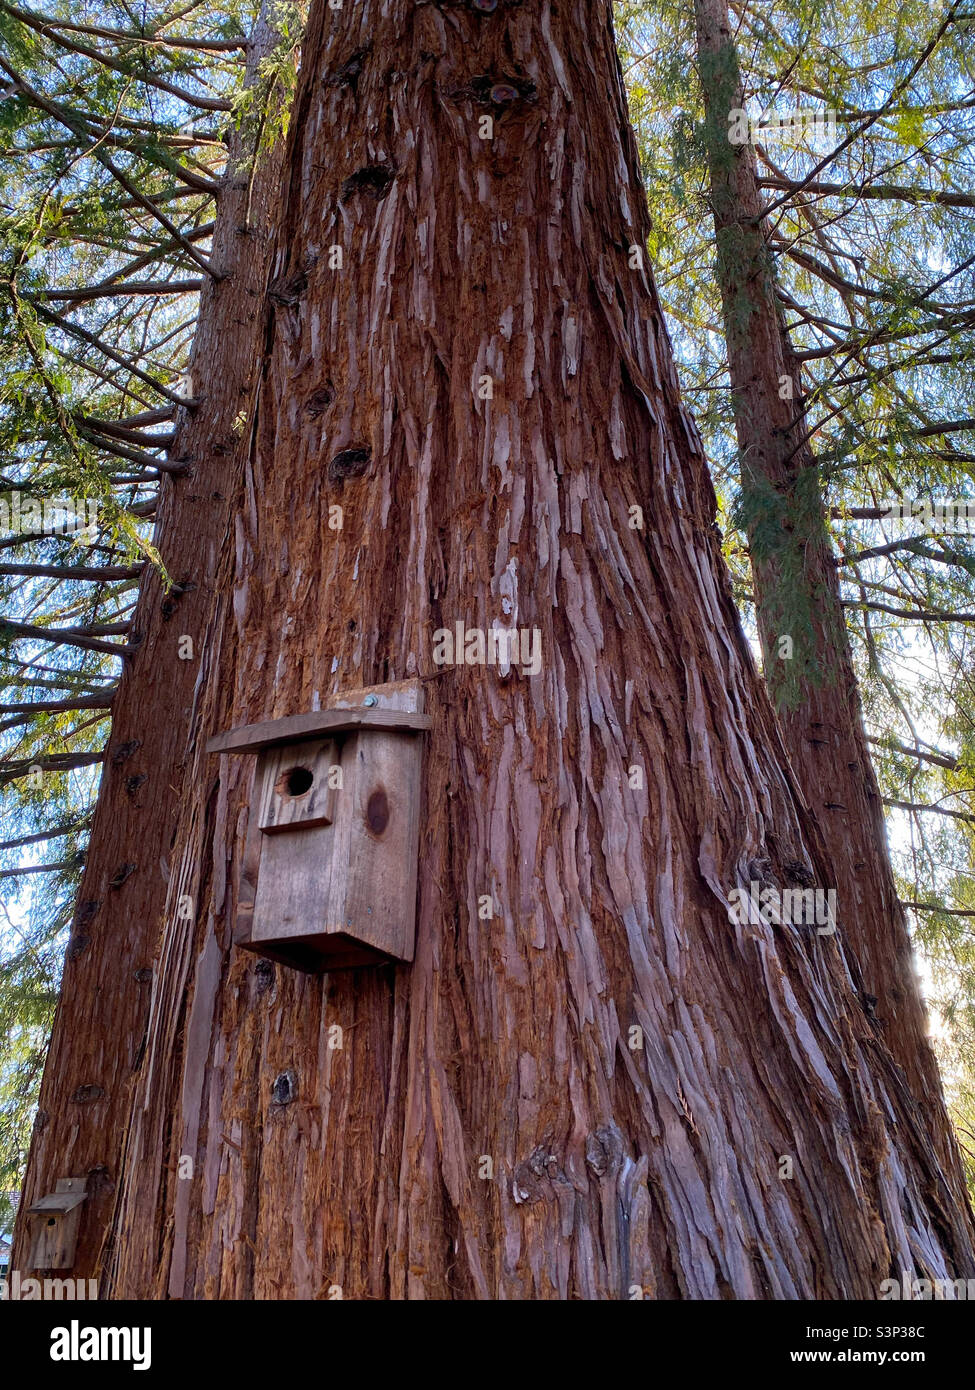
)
(295, 783)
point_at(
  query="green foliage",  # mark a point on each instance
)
(262, 109)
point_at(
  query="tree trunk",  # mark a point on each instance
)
(605, 1086)
(98, 1040)
(797, 593)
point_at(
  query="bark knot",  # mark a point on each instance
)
(498, 89)
(797, 872)
(372, 180)
(86, 1095)
(541, 1165)
(123, 872)
(349, 463)
(348, 74)
(264, 975)
(319, 401)
(86, 912)
(78, 946)
(125, 750)
(285, 1088)
(287, 289)
(168, 605)
(604, 1150)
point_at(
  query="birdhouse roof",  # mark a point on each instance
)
(57, 1201)
(252, 738)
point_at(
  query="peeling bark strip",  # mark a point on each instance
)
(597, 1084)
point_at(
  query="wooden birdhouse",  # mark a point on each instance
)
(328, 880)
(55, 1222)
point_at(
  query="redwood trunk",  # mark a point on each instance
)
(98, 1040)
(797, 593)
(612, 1167)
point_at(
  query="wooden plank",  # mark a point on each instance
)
(293, 884)
(293, 783)
(400, 695)
(253, 737)
(57, 1201)
(382, 843)
(315, 955)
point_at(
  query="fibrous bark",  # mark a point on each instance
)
(98, 1039)
(605, 1085)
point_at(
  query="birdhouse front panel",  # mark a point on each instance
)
(296, 785)
(330, 866)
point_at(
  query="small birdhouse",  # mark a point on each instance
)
(328, 880)
(55, 1222)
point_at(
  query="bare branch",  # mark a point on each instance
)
(51, 762)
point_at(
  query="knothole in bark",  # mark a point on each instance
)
(348, 74)
(287, 289)
(285, 1088)
(349, 463)
(125, 751)
(319, 401)
(264, 975)
(372, 180)
(499, 89)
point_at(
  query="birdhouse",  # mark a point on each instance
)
(55, 1222)
(328, 880)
